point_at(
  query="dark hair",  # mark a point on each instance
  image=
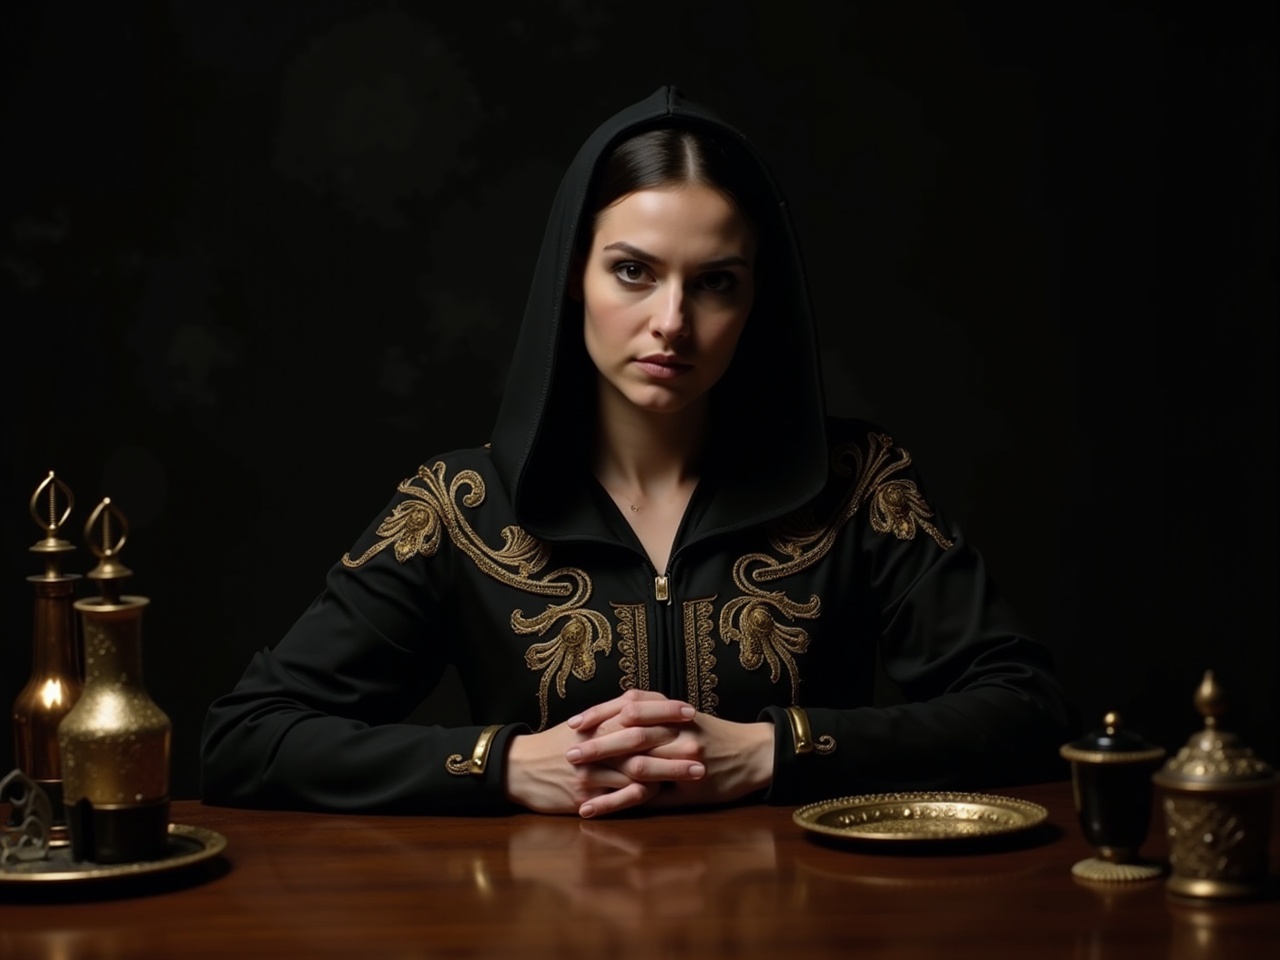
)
(674, 155)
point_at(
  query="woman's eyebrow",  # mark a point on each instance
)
(634, 251)
(733, 260)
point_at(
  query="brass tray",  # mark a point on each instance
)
(187, 845)
(913, 817)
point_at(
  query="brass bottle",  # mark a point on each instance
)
(115, 742)
(56, 676)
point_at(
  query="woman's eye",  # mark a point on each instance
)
(720, 281)
(630, 272)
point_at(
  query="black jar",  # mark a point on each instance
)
(1111, 783)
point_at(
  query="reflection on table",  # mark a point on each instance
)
(745, 882)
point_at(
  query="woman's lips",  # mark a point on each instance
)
(663, 368)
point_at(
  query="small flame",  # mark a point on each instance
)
(51, 693)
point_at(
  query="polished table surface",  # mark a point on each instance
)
(741, 882)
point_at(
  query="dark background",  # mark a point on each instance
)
(260, 259)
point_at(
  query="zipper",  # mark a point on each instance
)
(666, 673)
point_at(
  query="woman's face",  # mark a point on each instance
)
(666, 289)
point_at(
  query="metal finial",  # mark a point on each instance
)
(1210, 699)
(106, 546)
(47, 517)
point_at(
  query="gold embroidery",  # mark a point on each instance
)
(411, 528)
(760, 638)
(898, 508)
(573, 649)
(415, 528)
(633, 646)
(895, 506)
(699, 655)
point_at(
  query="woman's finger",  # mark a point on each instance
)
(602, 711)
(629, 796)
(647, 769)
(635, 707)
(620, 743)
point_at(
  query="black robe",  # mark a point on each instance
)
(809, 553)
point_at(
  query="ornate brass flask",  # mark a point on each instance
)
(56, 677)
(115, 742)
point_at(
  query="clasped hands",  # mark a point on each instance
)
(639, 748)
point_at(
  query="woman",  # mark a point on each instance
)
(667, 578)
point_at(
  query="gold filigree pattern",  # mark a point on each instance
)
(458, 765)
(412, 528)
(633, 645)
(572, 651)
(699, 655)
(895, 506)
(415, 528)
(898, 508)
(749, 622)
(1204, 837)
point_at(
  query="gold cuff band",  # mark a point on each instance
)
(803, 736)
(479, 756)
(800, 734)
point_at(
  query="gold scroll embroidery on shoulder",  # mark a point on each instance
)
(415, 528)
(895, 506)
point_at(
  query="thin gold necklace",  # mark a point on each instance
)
(630, 503)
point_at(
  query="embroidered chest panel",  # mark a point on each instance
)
(765, 624)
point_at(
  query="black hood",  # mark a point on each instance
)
(768, 439)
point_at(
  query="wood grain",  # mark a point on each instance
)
(743, 882)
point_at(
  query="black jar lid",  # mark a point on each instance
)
(1112, 744)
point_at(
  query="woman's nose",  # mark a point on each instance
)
(669, 319)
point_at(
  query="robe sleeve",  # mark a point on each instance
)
(983, 704)
(316, 722)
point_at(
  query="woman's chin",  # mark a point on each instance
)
(663, 400)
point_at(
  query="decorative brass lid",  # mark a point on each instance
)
(106, 543)
(1214, 758)
(1112, 744)
(50, 518)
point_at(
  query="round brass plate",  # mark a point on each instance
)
(898, 817)
(187, 845)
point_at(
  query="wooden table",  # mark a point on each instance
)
(744, 882)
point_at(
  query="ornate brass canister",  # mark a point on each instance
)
(56, 678)
(115, 743)
(1111, 782)
(1217, 800)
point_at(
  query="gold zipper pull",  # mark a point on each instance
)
(661, 591)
